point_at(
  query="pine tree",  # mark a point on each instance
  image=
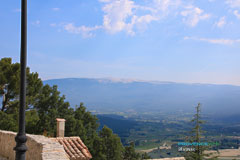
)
(130, 154)
(195, 137)
(111, 143)
(9, 85)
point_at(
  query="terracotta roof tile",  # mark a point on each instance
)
(74, 147)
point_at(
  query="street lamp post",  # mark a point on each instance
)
(21, 138)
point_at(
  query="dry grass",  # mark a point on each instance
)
(227, 153)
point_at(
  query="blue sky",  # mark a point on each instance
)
(167, 40)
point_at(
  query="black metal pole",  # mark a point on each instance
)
(21, 138)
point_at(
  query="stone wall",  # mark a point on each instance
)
(39, 147)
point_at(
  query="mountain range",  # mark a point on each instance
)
(143, 96)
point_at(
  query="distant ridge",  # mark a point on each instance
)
(117, 80)
(123, 80)
(108, 94)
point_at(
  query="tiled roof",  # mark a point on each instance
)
(74, 147)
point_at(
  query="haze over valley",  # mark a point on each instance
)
(111, 96)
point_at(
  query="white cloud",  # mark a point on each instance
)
(233, 3)
(36, 23)
(164, 5)
(215, 41)
(237, 14)
(116, 14)
(55, 9)
(140, 22)
(221, 22)
(125, 15)
(144, 19)
(86, 32)
(193, 15)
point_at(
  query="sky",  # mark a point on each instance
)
(190, 41)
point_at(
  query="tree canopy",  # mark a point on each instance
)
(196, 135)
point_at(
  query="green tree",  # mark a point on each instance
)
(49, 106)
(9, 92)
(8, 122)
(9, 80)
(98, 151)
(131, 154)
(9, 85)
(82, 123)
(32, 120)
(196, 136)
(111, 144)
(145, 156)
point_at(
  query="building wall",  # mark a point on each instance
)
(39, 147)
